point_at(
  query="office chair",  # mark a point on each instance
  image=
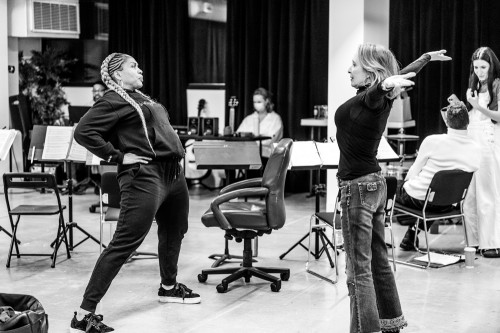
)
(109, 196)
(447, 187)
(27, 180)
(248, 220)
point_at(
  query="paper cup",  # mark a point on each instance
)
(470, 256)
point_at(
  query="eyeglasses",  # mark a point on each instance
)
(98, 90)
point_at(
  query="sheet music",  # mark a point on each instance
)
(7, 137)
(77, 152)
(92, 159)
(329, 153)
(304, 153)
(385, 150)
(57, 142)
(440, 259)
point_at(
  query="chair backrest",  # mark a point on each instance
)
(274, 179)
(448, 187)
(392, 185)
(29, 180)
(110, 189)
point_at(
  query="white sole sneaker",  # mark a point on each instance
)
(167, 299)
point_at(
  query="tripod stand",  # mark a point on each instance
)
(71, 225)
(319, 233)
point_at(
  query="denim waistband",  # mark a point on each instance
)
(371, 177)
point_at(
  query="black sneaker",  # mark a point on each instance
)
(91, 323)
(407, 242)
(178, 294)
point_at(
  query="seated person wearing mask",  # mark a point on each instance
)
(453, 150)
(269, 122)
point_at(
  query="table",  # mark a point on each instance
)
(315, 133)
(401, 139)
(260, 138)
(315, 125)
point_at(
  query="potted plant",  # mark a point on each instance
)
(40, 80)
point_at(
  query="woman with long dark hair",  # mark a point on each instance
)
(482, 204)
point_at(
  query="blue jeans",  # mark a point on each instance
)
(372, 289)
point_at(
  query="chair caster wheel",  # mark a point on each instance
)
(222, 288)
(285, 276)
(202, 277)
(247, 279)
(92, 209)
(276, 286)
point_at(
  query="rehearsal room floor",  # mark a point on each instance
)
(448, 299)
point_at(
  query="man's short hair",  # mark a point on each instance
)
(457, 116)
(101, 83)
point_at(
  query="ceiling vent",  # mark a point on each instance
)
(44, 18)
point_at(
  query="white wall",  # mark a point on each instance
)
(351, 23)
(4, 79)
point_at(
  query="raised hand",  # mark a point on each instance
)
(473, 99)
(398, 81)
(130, 158)
(438, 55)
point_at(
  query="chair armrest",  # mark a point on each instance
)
(253, 182)
(223, 222)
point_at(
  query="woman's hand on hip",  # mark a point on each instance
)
(130, 158)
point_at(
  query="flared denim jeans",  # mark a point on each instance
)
(372, 289)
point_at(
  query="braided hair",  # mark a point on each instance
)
(111, 64)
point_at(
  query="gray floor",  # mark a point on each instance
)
(449, 299)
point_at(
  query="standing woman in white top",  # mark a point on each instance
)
(482, 204)
(263, 121)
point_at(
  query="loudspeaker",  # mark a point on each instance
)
(209, 126)
(193, 126)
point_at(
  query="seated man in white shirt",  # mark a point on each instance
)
(454, 150)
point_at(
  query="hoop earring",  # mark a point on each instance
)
(121, 84)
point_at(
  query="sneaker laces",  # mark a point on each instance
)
(185, 291)
(95, 321)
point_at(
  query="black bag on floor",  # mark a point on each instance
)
(22, 314)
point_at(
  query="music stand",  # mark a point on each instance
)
(37, 146)
(227, 155)
(321, 156)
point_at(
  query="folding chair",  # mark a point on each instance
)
(447, 187)
(109, 196)
(325, 220)
(27, 180)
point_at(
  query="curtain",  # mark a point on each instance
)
(281, 45)
(156, 34)
(207, 45)
(460, 27)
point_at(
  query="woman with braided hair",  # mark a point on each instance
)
(127, 127)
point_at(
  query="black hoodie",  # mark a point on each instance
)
(112, 128)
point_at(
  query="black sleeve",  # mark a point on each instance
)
(94, 129)
(417, 65)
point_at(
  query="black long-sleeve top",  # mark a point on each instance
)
(360, 124)
(112, 128)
